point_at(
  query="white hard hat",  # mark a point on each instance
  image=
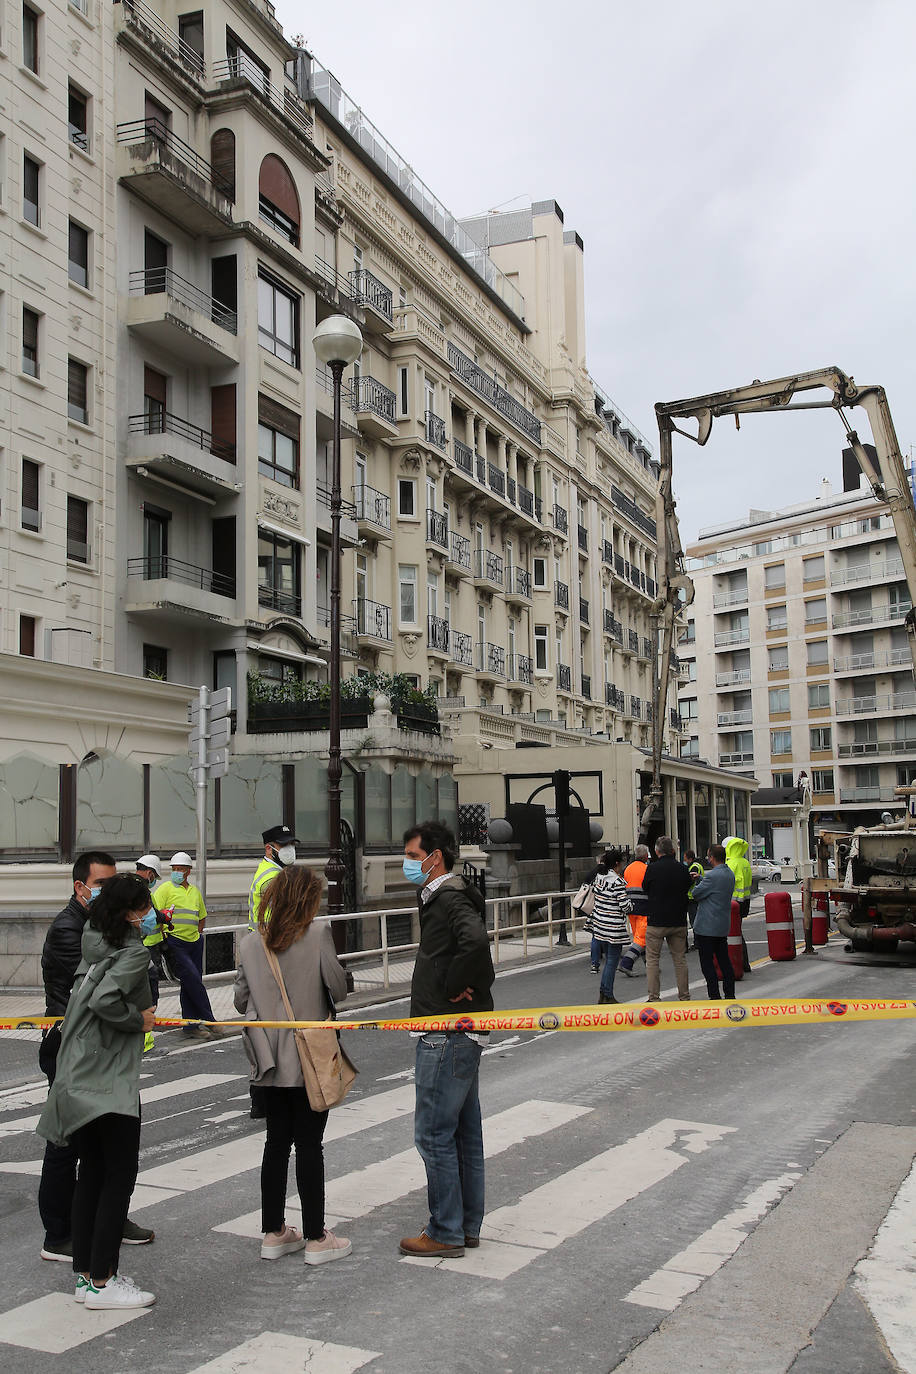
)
(181, 860)
(152, 861)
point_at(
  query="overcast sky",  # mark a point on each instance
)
(730, 166)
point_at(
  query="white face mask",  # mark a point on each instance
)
(286, 855)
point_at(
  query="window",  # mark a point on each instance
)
(776, 618)
(155, 393)
(278, 200)
(278, 442)
(778, 659)
(688, 708)
(279, 670)
(30, 504)
(278, 320)
(690, 748)
(540, 572)
(818, 695)
(30, 327)
(403, 395)
(822, 780)
(817, 652)
(813, 568)
(155, 542)
(783, 780)
(688, 634)
(30, 54)
(540, 646)
(779, 700)
(691, 669)
(278, 573)
(78, 254)
(820, 738)
(906, 774)
(780, 741)
(27, 636)
(222, 162)
(77, 391)
(77, 529)
(31, 190)
(407, 594)
(78, 118)
(407, 496)
(156, 662)
(774, 576)
(191, 32)
(815, 610)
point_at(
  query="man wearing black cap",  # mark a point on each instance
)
(279, 852)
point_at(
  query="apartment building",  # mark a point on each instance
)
(797, 659)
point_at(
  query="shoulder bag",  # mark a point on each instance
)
(584, 900)
(327, 1069)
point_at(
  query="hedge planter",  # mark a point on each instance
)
(294, 717)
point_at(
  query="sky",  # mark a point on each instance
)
(741, 175)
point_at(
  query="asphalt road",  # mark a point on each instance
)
(689, 1199)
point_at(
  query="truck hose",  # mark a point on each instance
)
(862, 936)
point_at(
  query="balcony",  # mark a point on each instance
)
(375, 404)
(182, 452)
(172, 589)
(629, 508)
(735, 717)
(349, 530)
(347, 631)
(501, 400)
(436, 528)
(561, 595)
(730, 598)
(518, 584)
(635, 708)
(278, 599)
(528, 503)
(873, 705)
(863, 794)
(855, 663)
(491, 660)
(496, 479)
(607, 552)
(874, 615)
(736, 760)
(725, 639)
(437, 635)
(488, 569)
(158, 37)
(174, 315)
(435, 431)
(375, 297)
(862, 749)
(734, 679)
(373, 620)
(239, 70)
(521, 669)
(560, 519)
(464, 457)
(373, 508)
(891, 571)
(564, 677)
(586, 686)
(584, 611)
(645, 648)
(613, 627)
(459, 553)
(582, 536)
(632, 642)
(462, 649)
(166, 172)
(614, 697)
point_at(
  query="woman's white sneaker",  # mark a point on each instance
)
(330, 1247)
(82, 1288)
(118, 1293)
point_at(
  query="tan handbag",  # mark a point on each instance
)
(327, 1069)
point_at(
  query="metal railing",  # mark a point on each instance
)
(584, 610)
(164, 422)
(635, 707)
(526, 502)
(370, 395)
(437, 633)
(730, 760)
(176, 570)
(139, 15)
(435, 430)
(866, 572)
(732, 598)
(372, 506)
(491, 658)
(613, 696)
(368, 290)
(326, 382)
(735, 717)
(462, 648)
(732, 637)
(561, 595)
(874, 615)
(521, 669)
(869, 705)
(153, 281)
(564, 677)
(325, 495)
(518, 582)
(488, 567)
(501, 400)
(137, 131)
(464, 457)
(586, 686)
(860, 794)
(733, 679)
(628, 507)
(582, 534)
(459, 550)
(496, 479)
(894, 658)
(436, 528)
(560, 519)
(372, 619)
(858, 749)
(282, 100)
(607, 552)
(633, 641)
(277, 600)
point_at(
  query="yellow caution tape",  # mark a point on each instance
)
(762, 1011)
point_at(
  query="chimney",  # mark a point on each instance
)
(826, 489)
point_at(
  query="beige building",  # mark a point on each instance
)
(797, 656)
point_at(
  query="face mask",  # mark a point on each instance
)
(286, 855)
(93, 892)
(148, 924)
(177, 877)
(413, 871)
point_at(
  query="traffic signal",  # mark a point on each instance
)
(561, 780)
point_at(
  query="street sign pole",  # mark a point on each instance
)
(210, 719)
(202, 744)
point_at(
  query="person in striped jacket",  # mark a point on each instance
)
(609, 918)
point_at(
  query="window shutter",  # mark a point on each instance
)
(278, 417)
(223, 421)
(76, 385)
(29, 485)
(276, 185)
(222, 161)
(155, 385)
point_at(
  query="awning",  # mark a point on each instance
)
(265, 523)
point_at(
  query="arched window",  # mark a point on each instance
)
(222, 162)
(277, 199)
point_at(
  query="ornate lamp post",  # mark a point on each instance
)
(338, 342)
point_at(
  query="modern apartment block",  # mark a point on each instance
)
(797, 656)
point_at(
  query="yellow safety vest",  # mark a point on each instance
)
(186, 907)
(265, 870)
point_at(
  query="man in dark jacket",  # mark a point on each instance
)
(666, 884)
(60, 957)
(453, 973)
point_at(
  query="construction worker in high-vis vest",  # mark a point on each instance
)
(178, 899)
(279, 852)
(149, 868)
(736, 858)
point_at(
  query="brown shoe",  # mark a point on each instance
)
(471, 1242)
(427, 1247)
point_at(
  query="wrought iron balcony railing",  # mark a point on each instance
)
(488, 567)
(436, 528)
(582, 533)
(526, 501)
(635, 707)
(437, 633)
(613, 696)
(153, 281)
(584, 610)
(462, 648)
(521, 669)
(459, 550)
(564, 677)
(464, 457)
(435, 430)
(290, 603)
(368, 290)
(370, 395)
(560, 519)
(496, 480)
(176, 570)
(164, 422)
(372, 506)
(633, 641)
(586, 686)
(607, 552)
(501, 400)
(561, 595)
(372, 619)
(518, 581)
(491, 658)
(628, 507)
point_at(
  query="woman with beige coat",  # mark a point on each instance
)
(314, 981)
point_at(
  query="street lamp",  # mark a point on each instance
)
(338, 342)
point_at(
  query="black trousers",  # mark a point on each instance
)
(109, 1155)
(711, 948)
(58, 1169)
(292, 1123)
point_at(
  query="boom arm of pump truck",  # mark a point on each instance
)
(885, 473)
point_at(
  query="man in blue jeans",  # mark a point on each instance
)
(453, 973)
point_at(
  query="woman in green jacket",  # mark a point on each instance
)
(95, 1098)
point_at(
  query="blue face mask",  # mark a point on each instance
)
(148, 924)
(177, 878)
(93, 893)
(413, 871)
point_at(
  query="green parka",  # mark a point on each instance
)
(98, 1065)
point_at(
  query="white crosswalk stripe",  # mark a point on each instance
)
(157, 1093)
(274, 1352)
(55, 1324)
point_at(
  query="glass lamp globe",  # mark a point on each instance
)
(338, 340)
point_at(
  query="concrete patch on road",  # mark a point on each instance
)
(886, 1279)
(778, 1286)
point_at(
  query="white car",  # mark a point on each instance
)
(766, 871)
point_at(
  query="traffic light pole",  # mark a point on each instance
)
(561, 781)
